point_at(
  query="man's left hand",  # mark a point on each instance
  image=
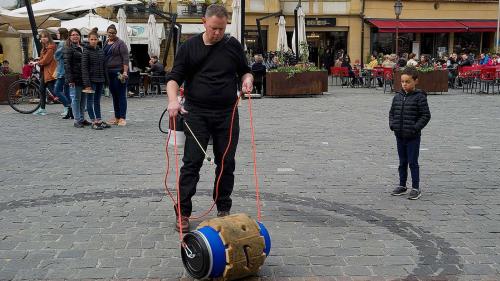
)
(247, 86)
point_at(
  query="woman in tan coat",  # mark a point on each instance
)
(48, 67)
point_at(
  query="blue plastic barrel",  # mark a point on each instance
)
(205, 255)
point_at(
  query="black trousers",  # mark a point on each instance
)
(408, 151)
(205, 123)
(43, 88)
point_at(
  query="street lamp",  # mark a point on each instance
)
(398, 7)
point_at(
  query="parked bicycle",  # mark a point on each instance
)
(24, 94)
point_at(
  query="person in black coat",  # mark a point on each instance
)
(259, 73)
(72, 54)
(409, 114)
(346, 62)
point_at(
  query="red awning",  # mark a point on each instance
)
(480, 25)
(419, 26)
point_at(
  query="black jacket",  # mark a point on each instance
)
(73, 64)
(409, 113)
(93, 63)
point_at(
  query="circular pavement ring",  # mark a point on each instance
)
(434, 249)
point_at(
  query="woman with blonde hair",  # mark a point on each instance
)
(48, 67)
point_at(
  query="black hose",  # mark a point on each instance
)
(161, 118)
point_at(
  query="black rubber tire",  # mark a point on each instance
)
(29, 91)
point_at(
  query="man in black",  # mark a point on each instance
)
(210, 66)
(156, 66)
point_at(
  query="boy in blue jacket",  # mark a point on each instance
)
(409, 114)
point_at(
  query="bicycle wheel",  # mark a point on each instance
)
(24, 97)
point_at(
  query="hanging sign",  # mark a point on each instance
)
(321, 22)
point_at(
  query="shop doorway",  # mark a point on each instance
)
(324, 46)
(139, 56)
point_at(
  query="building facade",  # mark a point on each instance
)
(354, 27)
(362, 27)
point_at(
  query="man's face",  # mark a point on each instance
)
(215, 28)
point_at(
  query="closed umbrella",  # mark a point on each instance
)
(153, 39)
(301, 27)
(282, 41)
(235, 29)
(122, 27)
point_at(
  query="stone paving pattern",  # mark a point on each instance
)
(85, 204)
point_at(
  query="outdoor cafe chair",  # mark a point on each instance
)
(158, 83)
(388, 77)
(134, 82)
(344, 76)
(377, 75)
(335, 73)
(487, 77)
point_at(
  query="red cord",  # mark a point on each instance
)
(165, 181)
(254, 153)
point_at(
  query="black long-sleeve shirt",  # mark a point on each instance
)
(209, 82)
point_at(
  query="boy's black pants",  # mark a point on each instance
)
(408, 150)
(205, 123)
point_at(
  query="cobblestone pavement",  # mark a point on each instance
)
(84, 204)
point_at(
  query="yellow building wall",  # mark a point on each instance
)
(426, 10)
(12, 52)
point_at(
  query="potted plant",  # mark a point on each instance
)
(289, 78)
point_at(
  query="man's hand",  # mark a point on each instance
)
(174, 108)
(247, 85)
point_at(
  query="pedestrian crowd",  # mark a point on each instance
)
(77, 74)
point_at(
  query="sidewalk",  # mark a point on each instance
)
(85, 204)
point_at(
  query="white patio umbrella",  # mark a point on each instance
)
(282, 44)
(122, 27)
(153, 38)
(301, 28)
(57, 6)
(89, 21)
(21, 22)
(235, 29)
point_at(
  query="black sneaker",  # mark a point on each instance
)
(400, 190)
(86, 123)
(96, 126)
(414, 194)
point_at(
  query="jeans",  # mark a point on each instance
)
(43, 94)
(408, 150)
(205, 123)
(78, 101)
(94, 102)
(119, 93)
(61, 90)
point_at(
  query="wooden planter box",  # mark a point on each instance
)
(5, 82)
(434, 81)
(306, 83)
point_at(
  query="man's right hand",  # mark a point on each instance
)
(174, 108)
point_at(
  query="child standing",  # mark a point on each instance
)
(409, 114)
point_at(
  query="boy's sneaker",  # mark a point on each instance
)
(414, 194)
(400, 190)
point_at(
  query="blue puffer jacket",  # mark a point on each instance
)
(60, 59)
